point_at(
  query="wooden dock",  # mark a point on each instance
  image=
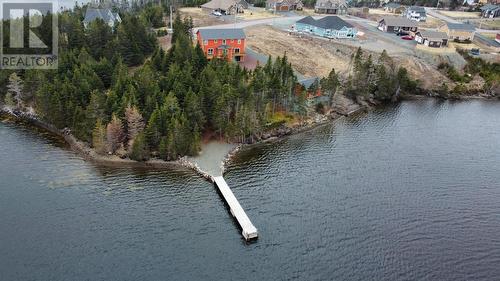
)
(248, 229)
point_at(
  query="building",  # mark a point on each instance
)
(490, 11)
(458, 31)
(429, 38)
(398, 25)
(415, 13)
(225, 7)
(222, 43)
(105, 14)
(284, 5)
(331, 7)
(329, 27)
(395, 8)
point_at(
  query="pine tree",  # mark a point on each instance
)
(140, 150)
(99, 137)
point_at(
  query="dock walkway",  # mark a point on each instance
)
(248, 229)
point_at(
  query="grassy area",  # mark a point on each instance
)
(431, 22)
(460, 14)
(487, 23)
(280, 118)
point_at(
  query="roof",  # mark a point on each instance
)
(417, 9)
(228, 33)
(399, 21)
(393, 5)
(461, 26)
(433, 34)
(105, 14)
(330, 3)
(219, 4)
(328, 22)
(489, 7)
(307, 20)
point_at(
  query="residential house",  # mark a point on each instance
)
(226, 7)
(222, 43)
(430, 38)
(395, 8)
(458, 31)
(398, 25)
(331, 7)
(490, 11)
(415, 13)
(329, 27)
(284, 5)
(105, 14)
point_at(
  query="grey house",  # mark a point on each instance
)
(398, 25)
(331, 7)
(104, 14)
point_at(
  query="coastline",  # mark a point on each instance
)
(88, 154)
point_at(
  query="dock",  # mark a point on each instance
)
(249, 231)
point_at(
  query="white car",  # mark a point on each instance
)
(217, 13)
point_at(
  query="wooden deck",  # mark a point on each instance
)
(248, 229)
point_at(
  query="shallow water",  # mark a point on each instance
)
(404, 193)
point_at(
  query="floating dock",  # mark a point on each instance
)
(249, 231)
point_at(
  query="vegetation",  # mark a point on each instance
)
(490, 72)
(380, 80)
(165, 105)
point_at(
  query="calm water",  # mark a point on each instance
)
(405, 193)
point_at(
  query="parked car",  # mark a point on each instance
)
(407, 37)
(217, 13)
(474, 51)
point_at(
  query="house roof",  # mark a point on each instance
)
(328, 22)
(289, 2)
(219, 4)
(393, 5)
(105, 14)
(307, 20)
(437, 35)
(460, 26)
(227, 33)
(399, 21)
(489, 7)
(418, 9)
(330, 3)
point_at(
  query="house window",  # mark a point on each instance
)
(236, 50)
(210, 51)
(224, 42)
(215, 41)
(205, 42)
(239, 41)
(232, 40)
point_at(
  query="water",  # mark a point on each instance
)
(404, 193)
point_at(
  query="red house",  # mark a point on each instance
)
(222, 43)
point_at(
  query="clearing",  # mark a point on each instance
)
(315, 57)
(200, 17)
(460, 14)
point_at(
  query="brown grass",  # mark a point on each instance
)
(310, 57)
(200, 17)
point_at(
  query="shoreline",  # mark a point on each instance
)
(88, 154)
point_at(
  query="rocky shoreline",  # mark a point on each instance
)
(341, 107)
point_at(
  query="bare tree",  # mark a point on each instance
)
(135, 124)
(114, 134)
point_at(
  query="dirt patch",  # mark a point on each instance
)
(200, 17)
(165, 42)
(310, 57)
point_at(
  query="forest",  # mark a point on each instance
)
(117, 90)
